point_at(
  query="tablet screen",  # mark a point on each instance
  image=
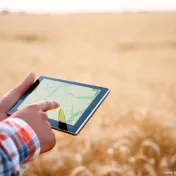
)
(73, 99)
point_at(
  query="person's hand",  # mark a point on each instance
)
(35, 115)
(14, 95)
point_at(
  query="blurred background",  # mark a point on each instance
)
(128, 46)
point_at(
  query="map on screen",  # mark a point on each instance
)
(73, 99)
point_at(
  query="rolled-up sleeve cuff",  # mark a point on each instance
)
(24, 138)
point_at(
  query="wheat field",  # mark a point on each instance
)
(133, 133)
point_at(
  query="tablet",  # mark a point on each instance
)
(77, 101)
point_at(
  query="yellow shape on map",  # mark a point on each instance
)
(61, 116)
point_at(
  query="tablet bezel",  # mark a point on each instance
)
(72, 129)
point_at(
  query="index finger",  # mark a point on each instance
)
(48, 105)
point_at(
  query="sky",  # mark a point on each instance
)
(72, 6)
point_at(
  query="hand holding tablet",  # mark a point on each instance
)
(77, 102)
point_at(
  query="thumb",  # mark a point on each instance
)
(15, 94)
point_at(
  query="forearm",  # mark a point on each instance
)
(18, 144)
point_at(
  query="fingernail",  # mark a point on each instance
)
(30, 75)
(57, 103)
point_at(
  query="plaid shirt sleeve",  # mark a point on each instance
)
(18, 145)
